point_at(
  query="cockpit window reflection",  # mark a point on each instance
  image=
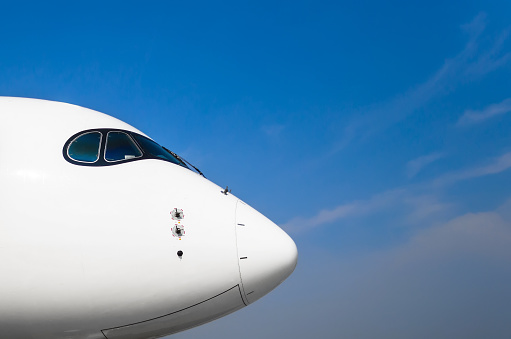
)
(119, 146)
(85, 147)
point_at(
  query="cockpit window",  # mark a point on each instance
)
(119, 146)
(111, 146)
(156, 150)
(85, 147)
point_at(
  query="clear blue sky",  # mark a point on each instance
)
(377, 134)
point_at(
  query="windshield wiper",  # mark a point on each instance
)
(183, 161)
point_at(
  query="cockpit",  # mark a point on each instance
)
(106, 147)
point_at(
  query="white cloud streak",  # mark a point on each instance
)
(483, 233)
(473, 116)
(413, 167)
(498, 165)
(468, 65)
(418, 203)
(327, 216)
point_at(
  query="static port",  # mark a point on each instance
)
(177, 214)
(178, 231)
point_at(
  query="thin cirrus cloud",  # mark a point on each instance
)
(416, 198)
(474, 116)
(498, 165)
(470, 64)
(413, 167)
(342, 211)
(417, 206)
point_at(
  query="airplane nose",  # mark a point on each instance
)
(267, 255)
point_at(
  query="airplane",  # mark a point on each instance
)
(105, 234)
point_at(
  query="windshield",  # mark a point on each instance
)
(85, 148)
(106, 147)
(119, 146)
(155, 150)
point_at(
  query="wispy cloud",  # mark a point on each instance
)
(416, 165)
(273, 130)
(342, 211)
(473, 116)
(415, 207)
(498, 165)
(472, 232)
(475, 60)
(417, 202)
(471, 63)
(490, 59)
(423, 207)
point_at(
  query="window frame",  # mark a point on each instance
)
(78, 135)
(133, 142)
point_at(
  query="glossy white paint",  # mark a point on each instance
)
(265, 252)
(88, 252)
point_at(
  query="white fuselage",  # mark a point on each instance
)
(90, 252)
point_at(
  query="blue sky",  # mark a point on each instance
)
(376, 134)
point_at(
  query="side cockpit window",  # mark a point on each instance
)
(120, 146)
(85, 147)
(155, 150)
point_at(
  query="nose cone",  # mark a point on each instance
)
(267, 255)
